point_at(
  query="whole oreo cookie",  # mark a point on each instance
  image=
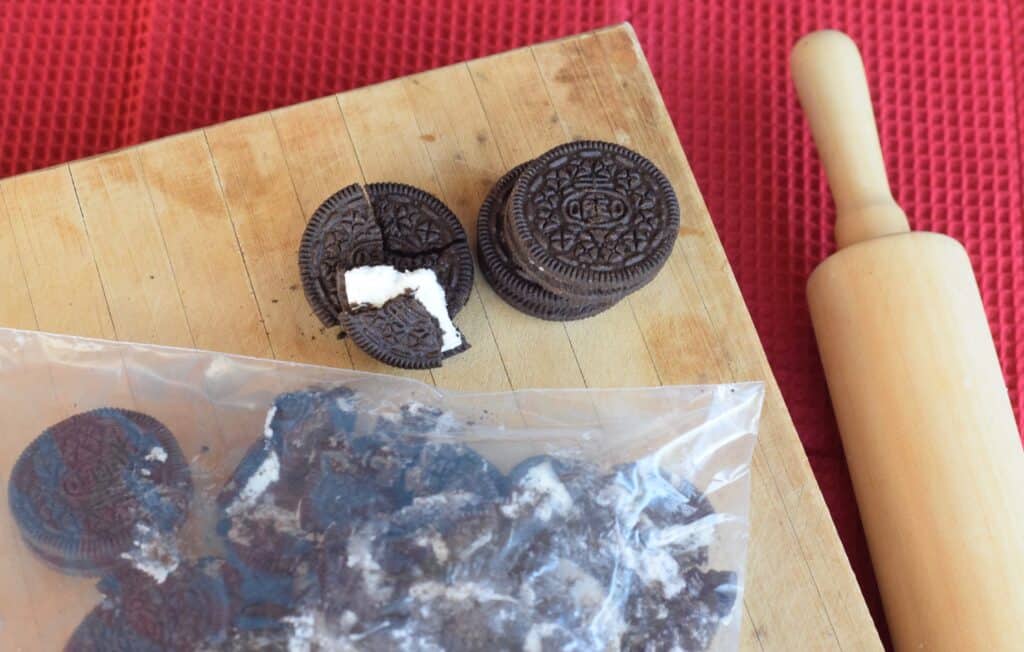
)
(591, 218)
(80, 489)
(342, 234)
(506, 276)
(401, 333)
(187, 611)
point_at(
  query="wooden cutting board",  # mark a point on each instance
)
(191, 241)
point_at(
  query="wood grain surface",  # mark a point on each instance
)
(192, 241)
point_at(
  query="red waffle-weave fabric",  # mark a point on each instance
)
(77, 78)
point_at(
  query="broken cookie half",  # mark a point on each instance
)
(400, 318)
(409, 260)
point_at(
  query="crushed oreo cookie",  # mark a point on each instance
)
(190, 609)
(423, 544)
(377, 529)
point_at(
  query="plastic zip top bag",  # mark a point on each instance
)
(164, 499)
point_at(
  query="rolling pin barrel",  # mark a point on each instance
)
(927, 426)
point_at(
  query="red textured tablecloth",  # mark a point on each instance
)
(77, 78)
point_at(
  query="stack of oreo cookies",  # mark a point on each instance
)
(574, 231)
(85, 491)
(399, 226)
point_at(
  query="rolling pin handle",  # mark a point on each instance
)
(833, 90)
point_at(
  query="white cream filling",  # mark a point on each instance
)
(156, 454)
(375, 285)
(477, 544)
(541, 489)
(658, 566)
(268, 432)
(429, 591)
(538, 633)
(265, 475)
(360, 556)
(303, 632)
(153, 555)
(436, 544)
(311, 631)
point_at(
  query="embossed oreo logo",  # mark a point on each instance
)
(596, 207)
(98, 484)
(95, 461)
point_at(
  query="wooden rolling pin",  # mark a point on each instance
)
(926, 422)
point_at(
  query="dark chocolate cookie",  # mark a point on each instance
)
(413, 221)
(463, 617)
(442, 536)
(259, 518)
(453, 266)
(353, 586)
(342, 234)
(443, 467)
(357, 479)
(388, 581)
(187, 611)
(80, 489)
(400, 333)
(414, 421)
(506, 276)
(569, 606)
(551, 513)
(299, 424)
(385, 224)
(590, 218)
(659, 514)
(685, 620)
(261, 601)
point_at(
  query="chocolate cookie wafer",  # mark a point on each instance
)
(506, 276)
(412, 220)
(401, 333)
(342, 234)
(685, 617)
(80, 489)
(189, 610)
(418, 228)
(590, 219)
